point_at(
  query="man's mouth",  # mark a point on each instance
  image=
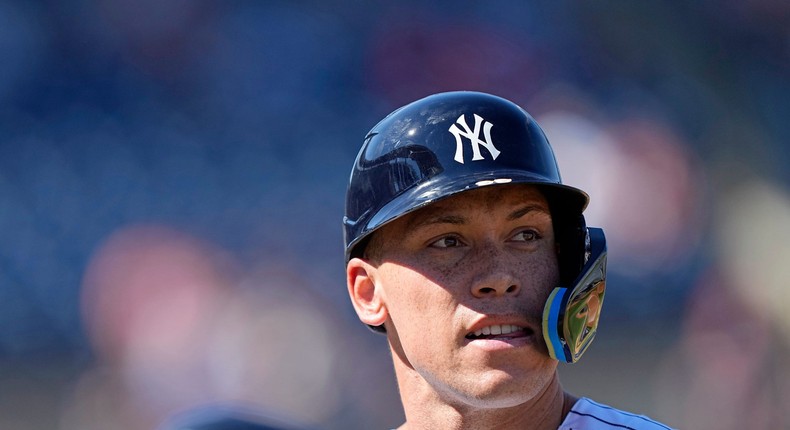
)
(500, 331)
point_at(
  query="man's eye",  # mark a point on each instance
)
(446, 242)
(526, 236)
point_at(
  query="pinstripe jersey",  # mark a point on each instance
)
(589, 415)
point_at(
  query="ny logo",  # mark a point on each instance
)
(474, 137)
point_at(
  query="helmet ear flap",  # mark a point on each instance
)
(572, 311)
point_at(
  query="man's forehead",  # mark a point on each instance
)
(500, 197)
(494, 195)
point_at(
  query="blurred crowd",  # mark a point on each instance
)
(171, 192)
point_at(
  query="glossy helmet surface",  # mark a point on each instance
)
(445, 144)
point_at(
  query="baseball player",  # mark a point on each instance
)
(466, 250)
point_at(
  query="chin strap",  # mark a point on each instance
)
(571, 315)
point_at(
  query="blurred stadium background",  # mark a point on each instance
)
(172, 176)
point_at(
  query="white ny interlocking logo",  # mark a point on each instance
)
(474, 136)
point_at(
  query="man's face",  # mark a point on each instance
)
(464, 282)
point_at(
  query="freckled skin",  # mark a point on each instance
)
(496, 264)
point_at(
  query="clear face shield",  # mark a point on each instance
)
(571, 315)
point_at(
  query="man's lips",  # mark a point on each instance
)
(500, 331)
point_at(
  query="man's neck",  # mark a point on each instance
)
(425, 408)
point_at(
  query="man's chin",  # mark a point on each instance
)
(497, 388)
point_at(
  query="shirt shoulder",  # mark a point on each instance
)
(589, 415)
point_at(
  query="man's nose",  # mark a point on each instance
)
(497, 275)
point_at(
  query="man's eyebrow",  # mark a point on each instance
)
(518, 213)
(419, 222)
(439, 218)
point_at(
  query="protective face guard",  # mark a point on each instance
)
(570, 317)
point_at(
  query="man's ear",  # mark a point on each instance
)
(366, 295)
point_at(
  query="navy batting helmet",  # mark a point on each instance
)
(452, 142)
(442, 145)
